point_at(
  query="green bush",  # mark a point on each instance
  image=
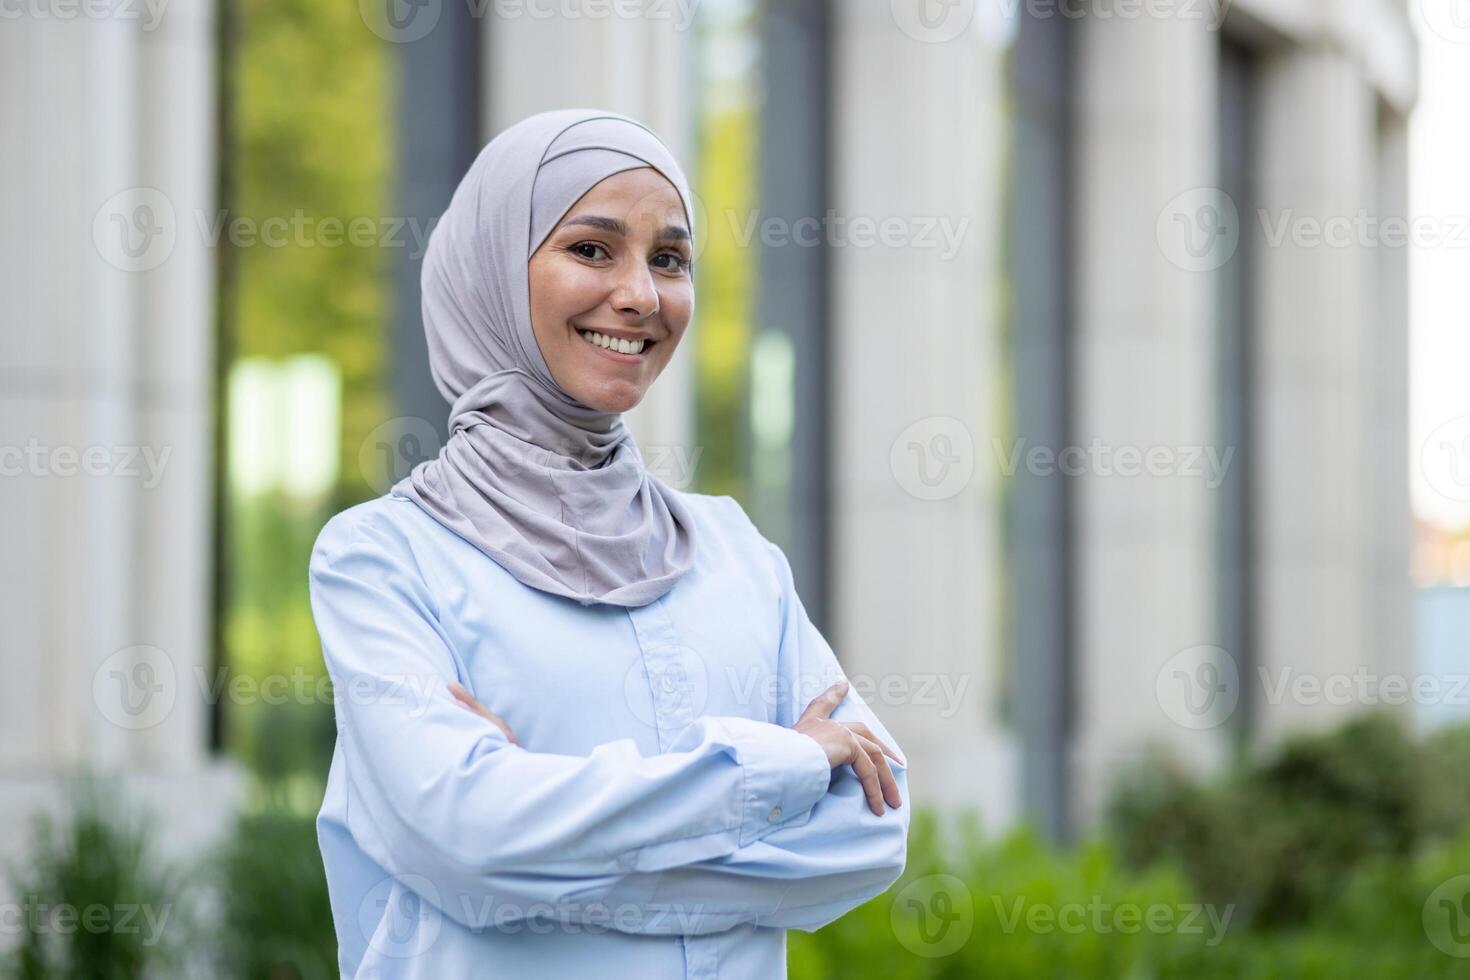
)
(1096, 920)
(1342, 855)
(97, 904)
(276, 920)
(1279, 837)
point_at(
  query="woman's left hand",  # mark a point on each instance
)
(465, 698)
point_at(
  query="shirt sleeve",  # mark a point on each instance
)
(447, 799)
(802, 876)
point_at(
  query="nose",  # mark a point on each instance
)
(635, 294)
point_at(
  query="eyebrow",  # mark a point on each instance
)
(619, 227)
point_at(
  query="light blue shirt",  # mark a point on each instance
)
(660, 817)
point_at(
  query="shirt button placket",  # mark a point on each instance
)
(672, 671)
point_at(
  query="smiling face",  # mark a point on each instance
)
(614, 271)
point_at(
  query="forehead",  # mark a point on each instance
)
(642, 192)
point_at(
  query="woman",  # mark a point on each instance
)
(585, 726)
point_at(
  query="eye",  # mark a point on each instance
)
(592, 245)
(679, 264)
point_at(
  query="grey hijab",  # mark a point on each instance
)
(554, 491)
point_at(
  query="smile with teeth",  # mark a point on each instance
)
(612, 343)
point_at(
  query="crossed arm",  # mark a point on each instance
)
(740, 821)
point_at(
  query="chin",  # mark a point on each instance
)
(613, 398)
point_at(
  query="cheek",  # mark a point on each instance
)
(677, 303)
(567, 290)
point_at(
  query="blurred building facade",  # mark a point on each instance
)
(107, 387)
(1081, 437)
(1099, 431)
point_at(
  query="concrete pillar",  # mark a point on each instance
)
(105, 406)
(1317, 297)
(1145, 134)
(1390, 631)
(917, 129)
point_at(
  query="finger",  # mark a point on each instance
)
(867, 733)
(885, 774)
(867, 773)
(825, 703)
(465, 698)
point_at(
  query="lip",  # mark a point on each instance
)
(621, 335)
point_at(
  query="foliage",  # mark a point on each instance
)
(1020, 909)
(725, 265)
(309, 148)
(276, 920)
(97, 903)
(1095, 915)
(1280, 836)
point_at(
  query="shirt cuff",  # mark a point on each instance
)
(786, 773)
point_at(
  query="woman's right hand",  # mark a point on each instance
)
(852, 742)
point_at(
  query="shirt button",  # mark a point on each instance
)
(775, 814)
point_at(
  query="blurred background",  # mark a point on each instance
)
(1099, 364)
